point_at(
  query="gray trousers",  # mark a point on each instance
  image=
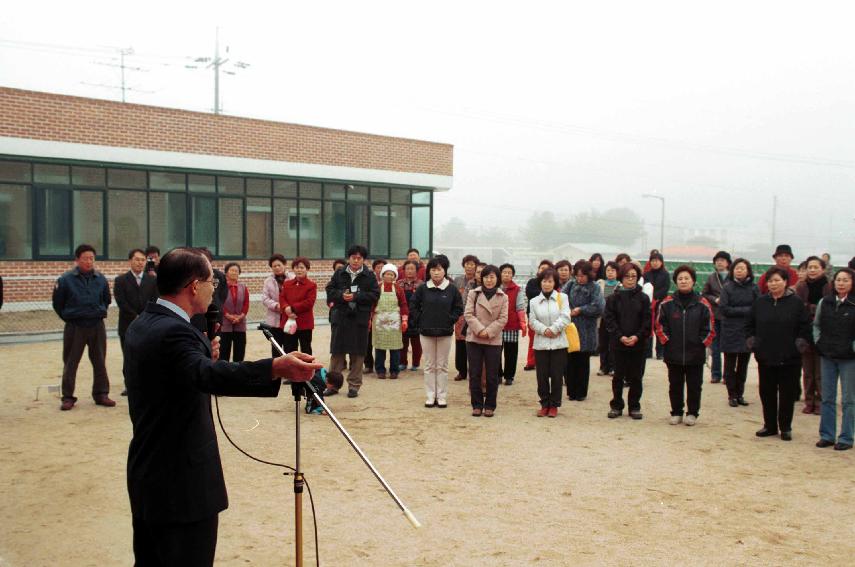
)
(74, 339)
(354, 375)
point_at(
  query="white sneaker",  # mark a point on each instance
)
(676, 419)
(690, 420)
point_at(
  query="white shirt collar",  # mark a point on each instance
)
(443, 285)
(174, 308)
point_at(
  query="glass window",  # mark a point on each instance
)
(87, 176)
(282, 188)
(126, 179)
(88, 207)
(357, 224)
(334, 191)
(285, 227)
(261, 187)
(310, 228)
(15, 171)
(231, 227)
(258, 228)
(50, 173)
(55, 229)
(421, 197)
(379, 231)
(204, 222)
(421, 230)
(201, 183)
(230, 185)
(400, 240)
(358, 194)
(310, 191)
(126, 223)
(167, 220)
(400, 195)
(16, 212)
(380, 194)
(333, 230)
(166, 181)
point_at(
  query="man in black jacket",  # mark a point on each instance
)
(175, 478)
(352, 293)
(133, 290)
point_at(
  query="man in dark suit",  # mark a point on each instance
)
(132, 291)
(175, 478)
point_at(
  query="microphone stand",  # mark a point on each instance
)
(297, 389)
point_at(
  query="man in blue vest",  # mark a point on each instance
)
(81, 298)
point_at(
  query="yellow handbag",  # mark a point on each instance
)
(574, 343)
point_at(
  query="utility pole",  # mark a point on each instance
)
(123, 52)
(215, 64)
(661, 220)
(774, 219)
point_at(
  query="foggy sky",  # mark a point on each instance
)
(562, 106)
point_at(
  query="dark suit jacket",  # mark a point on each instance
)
(174, 470)
(131, 298)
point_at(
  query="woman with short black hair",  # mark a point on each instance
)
(235, 309)
(486, 314)
(463, 284)
(778, 331)
(684, 327)
(586, 306)
(549, 316)
(811, 290)
(516, 322)
(628, 321)
(737, 296)
(532, 289)
(599, 266)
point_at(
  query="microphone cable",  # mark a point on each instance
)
(291, 470)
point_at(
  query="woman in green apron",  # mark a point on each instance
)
(389, 322)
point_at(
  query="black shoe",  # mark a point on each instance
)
(636, 414)
(741, 401)
(527, 368)
(786, 435)
(732, 402)
(842, 446)
(715, 381)
(125, 392)
(330, 392)
(823, 443)
(509, 382)
(352, 393)
(613, 413)
(766, 432)
(582, 399)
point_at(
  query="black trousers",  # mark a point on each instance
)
(607, 358)
(75, 339)
(168, 545)
(460, 357)
(577, 374)
(234, 339)
(279, 336)
(304, 338)
(779, 386)
(735, 373)
(549, 366)
(629, 366)
(692, 377)
(369, 355)
(487, 357)
(510, 353)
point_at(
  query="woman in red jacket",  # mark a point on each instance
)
(297, 302)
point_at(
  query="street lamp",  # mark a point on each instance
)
(661, 220)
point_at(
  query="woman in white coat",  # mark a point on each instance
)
(549, 316)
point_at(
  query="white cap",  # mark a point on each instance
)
(390, 268)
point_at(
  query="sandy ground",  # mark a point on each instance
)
(512, 490)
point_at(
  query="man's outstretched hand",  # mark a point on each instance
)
(295, 366)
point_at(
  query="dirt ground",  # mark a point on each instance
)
(513, 490)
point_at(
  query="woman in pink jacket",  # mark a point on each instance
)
(270, 297)
(486, 314)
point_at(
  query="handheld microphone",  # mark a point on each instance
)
(212, 317)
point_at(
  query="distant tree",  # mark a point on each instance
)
(620, 226)
(541, 230)
(707, 241)
(454, 233)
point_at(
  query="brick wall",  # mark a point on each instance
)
(45, 116)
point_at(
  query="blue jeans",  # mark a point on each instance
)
(716, 351)
(380, 361)
(832, 368)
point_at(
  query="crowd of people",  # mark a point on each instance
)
(387, 319)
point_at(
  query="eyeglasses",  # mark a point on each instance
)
(630, 277)
(214, 282)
